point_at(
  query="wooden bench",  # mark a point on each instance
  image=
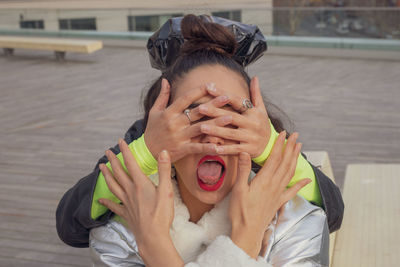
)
(58, 45)
(320, 159)
(370, 234)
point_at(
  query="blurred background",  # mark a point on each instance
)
(332, 66)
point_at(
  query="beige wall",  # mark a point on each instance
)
(116, 19)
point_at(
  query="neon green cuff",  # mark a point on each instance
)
(263, 157)
(146, 162)
(303, 170)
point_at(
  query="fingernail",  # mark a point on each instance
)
(219, 149)
(224, 98)
(226, 119)
(120, 141)
(101, 201)
(299, 146)
(205, 128)
(164, 155)
(211, 87)
(203, 108)
(296, 135)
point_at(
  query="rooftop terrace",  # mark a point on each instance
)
(57, 119)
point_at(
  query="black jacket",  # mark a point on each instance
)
(73, 213)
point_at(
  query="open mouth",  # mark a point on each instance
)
(210, 172)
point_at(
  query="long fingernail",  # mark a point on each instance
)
(282, 134)
(203, 108)
(224, 98)
(211, 87)
(205, 128)
(164, 155)
(226, 119)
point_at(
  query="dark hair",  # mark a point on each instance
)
(206, 43)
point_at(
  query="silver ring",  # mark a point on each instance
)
(246, 104)
(187, 113)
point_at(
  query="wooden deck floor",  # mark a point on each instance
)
(58, 118)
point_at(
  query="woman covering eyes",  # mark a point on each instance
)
(205, 122)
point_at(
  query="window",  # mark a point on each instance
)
(235, 15)
(77, 24)
(31, 24)
(148, 23)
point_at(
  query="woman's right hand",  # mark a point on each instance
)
(168, 128)
(253, 206)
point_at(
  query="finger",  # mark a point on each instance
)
(162, 99)
(186, 99)
(287, 159)
(244, 168)
(290, 173)
(225, 133)
(235, 100)
(118, 172)
(114, 187)
(133, 168)
(237, 119)
(231, 149)
(114, 207)
(219, 101)
(164, 171)
(292, 191)
(275, 157)
(195, 129)
(255, 93)
(199, 148)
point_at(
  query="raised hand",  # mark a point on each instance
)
(169, 128)
(252, 128)
(145, 207)
(254, 205)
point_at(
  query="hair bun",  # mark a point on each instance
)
(200, 34)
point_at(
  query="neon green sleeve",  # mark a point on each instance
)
(146, 162)
(303, 170)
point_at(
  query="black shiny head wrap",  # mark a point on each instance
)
(164, 45)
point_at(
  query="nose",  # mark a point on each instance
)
(212, 139)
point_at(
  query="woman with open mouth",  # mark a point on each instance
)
(200, 203)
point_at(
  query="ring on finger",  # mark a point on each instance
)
(246, 104)
(187, 113)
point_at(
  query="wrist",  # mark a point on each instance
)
(248, 241)
(145, 159)
(159, 251)
(260, 160)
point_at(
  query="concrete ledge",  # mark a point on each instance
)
(282, 45)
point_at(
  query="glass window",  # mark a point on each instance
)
(235, 15)
(31, 24)
(149, 23)
(78, 24)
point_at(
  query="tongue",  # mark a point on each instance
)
(209, 172)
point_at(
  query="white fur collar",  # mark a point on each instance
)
(191, 239)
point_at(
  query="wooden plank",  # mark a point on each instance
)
(369, 235)
(320, 159)
(54, 128)
(52, 44)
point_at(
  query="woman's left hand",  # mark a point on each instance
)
(253, 128)
(147, 209)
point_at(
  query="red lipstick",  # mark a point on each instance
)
(217, 185)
